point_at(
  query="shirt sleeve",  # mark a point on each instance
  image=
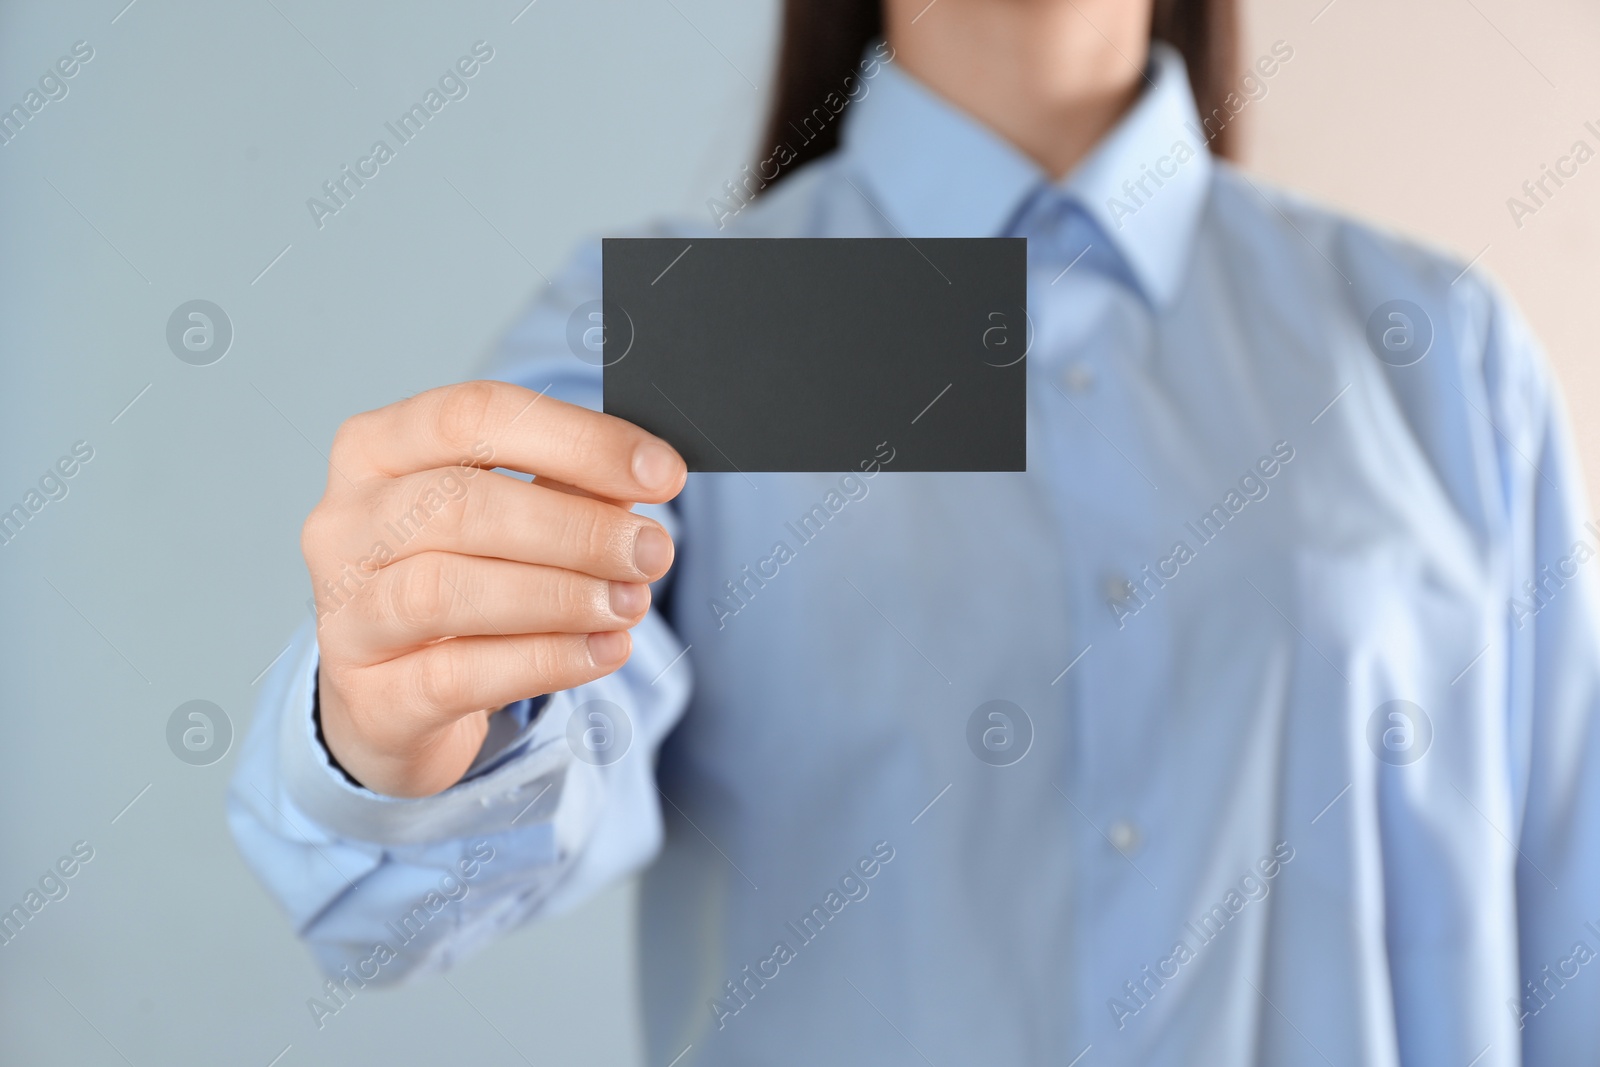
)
(1553, 699)
(560, 802)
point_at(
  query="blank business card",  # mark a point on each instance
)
(806, 354)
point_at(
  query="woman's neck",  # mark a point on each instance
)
(1050, 76)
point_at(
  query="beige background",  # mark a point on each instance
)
(1426, 116)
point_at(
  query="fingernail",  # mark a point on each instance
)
(608, 647)
(652, 550)
(655, 466)
(628, 599)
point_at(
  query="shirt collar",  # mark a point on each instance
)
(935, 171)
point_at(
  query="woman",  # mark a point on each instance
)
(1249, 725)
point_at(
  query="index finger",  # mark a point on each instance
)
(496, 424)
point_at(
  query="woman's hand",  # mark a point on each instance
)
(445, 591)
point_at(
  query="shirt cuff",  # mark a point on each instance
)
(505, 739)
(518, 777)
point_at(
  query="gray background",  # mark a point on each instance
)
(178, 167)
(190, 142)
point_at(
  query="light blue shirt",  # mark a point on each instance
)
(1291, 617)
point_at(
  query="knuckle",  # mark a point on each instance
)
(596, 536)
(575, 598)
(314, 534)
(555, 659)
(348, 436)
(441, 681)
(461, 413)
(416, 593)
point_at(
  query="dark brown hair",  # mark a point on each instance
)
(822, 42)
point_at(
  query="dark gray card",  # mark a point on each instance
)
(803, 354)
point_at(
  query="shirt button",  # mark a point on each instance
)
(1078, 377)
(1118, 589)
(1124, 836)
